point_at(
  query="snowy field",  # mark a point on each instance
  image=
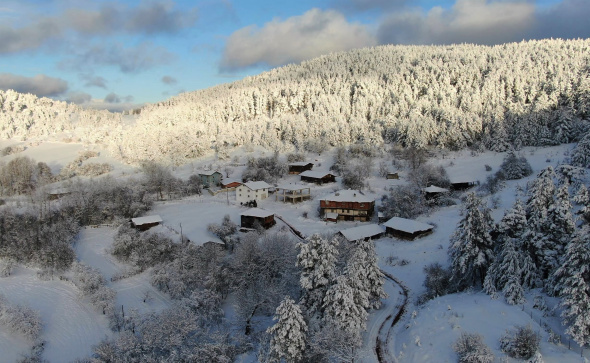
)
(72, 326)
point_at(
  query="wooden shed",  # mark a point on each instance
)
(392, 175)
(433, 192)
(406, 228)
(145, 223)
(253, 215)
(318, 177)
(299, 167)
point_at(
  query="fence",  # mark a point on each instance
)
(555, 337)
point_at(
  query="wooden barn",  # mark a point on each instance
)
(463, 184)
(253, 215)
(406, 228)
(433, 192)
(318, 177)
(299, 167)
(392, 175)
(145, 223)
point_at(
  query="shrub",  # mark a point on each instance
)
(437, 282)
(471, 349)
(522, 342)
(514, 167)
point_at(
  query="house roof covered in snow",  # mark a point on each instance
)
(435, 189)
(349, 196)
(362, 232)
(315, 174)
(209, 173)
(257, 212)
(407, 225)
(146, 220)
(256, 185)
(230, 181)
(300, 163)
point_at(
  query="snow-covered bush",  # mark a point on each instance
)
(405, 201)
(522, 342)
(9, 150)
(437, 282)
(94, 169)
(92, 285)
(425, 175)
(514, 167)
(471, 348)
(295, 157)
(225, 231)
(581, 153)
(268, 169)
(20, 319)
(142, 250)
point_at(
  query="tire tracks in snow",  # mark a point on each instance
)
(382, 342)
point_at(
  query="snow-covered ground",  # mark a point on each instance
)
(72, 326)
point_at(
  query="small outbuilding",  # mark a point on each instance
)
(299, 167)
(249, 218)
(407, 228)
(318, 177)
(369, 231)
(145, 223)
(392, 175)
(463, 184)
(433, 192)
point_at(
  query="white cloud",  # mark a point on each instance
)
(468, 21)
(294, 39)
(39, 85)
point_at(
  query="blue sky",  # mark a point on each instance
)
(122, 54)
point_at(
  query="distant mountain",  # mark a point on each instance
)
(529, 93)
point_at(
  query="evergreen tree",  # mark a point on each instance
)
(471, 248)
(510, 280)
(288, 333)
(573, 284)
(558, 229)
(581, 153)
(372, 274)
(342, 309)
(317, 258)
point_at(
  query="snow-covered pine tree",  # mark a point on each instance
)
(581, 153)
(343, 311)
(317, 258)
(558, 229)
(373, 275)
(582, 197)
(288, 333)
(572, 280)
(471, 247)
(510, 280)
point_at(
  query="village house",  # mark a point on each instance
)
(210, 179)
(299, 167)
(463, 183)
(318, 177)
(252, 216)
(406, 228)
(292, 193)
(363, 233)
(254, 190)
(145, 223)
(230, 183)
(348, 205)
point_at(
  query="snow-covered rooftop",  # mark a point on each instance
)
(229, 181)
(407, 225)
(315, 174)
(146, 220)
(435, 189)
(349, 196)
(209, 173)
(256, 185)
(257, 212)
(300, 163)
(362, 232)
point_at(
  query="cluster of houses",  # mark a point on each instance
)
(343, 205)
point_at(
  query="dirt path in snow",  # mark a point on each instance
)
(383, 337)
